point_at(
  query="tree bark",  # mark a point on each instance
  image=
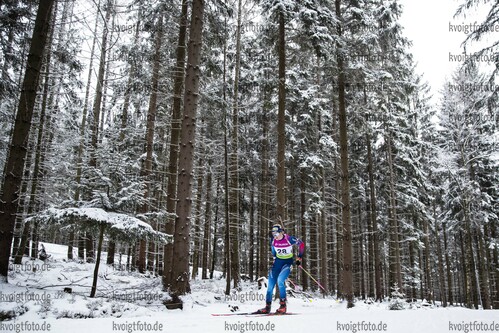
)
(180, 281)
(37, 148)
(448, 267)
(227, 235)
(207, 224)
(373, 223)
(97, 263)
(146, 170)
(234, 163)
(427, 262)
(178, 83)
(252, 232)
(345, 181)
(441, 275)
(18, 146)
(79, 159)
(264, 185)
(197, 210)
(395, 276)
(92, 163)
(281, 123)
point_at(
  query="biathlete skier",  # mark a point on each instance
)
(281, 246)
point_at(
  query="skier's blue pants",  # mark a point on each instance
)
(279, 273)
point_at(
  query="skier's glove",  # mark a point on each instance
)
(298, 262)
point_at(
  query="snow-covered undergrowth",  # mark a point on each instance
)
(54, 296)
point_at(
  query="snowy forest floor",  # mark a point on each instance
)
(132, 302)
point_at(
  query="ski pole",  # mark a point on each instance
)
(302, 292)
(294, 285)
(312, 278)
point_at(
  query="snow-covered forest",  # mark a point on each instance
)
(151, 145)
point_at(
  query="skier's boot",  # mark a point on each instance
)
(282, 307)
(265, 310)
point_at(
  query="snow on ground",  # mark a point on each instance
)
(132, 302)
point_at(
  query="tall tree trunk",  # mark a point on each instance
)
(22, 230)
(146, 170)
(252, 232)
(395, 264)
(323, 237)
(468, 296)
(207, 224)
(178, 83)
(215, 230)
(37, 147)
(197, 210)
(79, 159)
(281, 123)
(97, 263)
(312, 247)
(304, 228)
(234, 163)
(495, 268)
(345, 181)
(373, 222)
(264, 185)
(227, 235)
(128, 90)
(448, 267)
(19, 141)
(363, 278)
(92, 163)
(472, 269)
(441, 275)
(483, 271)
(180, 281)
(337, 208)
(427, 262)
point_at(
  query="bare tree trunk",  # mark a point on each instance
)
(281, 123)
(178, 83)
(362, 279)
(312, 246)
(234, 163)
(472, 269)
(427, 264)
(128, 91)
(483, 271)
(92, 163)
(395, 277)
(22, 230)
(146, 169)
(215, 230)
(323, 238)
(337, 207)
(304, 227)
(207, 224)
(468, 297)
(345, 181)
(197, 210)
(448, 267)
(441, 275)
(264, 185)
(180, 281)
(37, 147)
(495, 268)
(14, 165)
(228, 244)
(252, 232)
(79, 159)
(97, 263)
(373, 222)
